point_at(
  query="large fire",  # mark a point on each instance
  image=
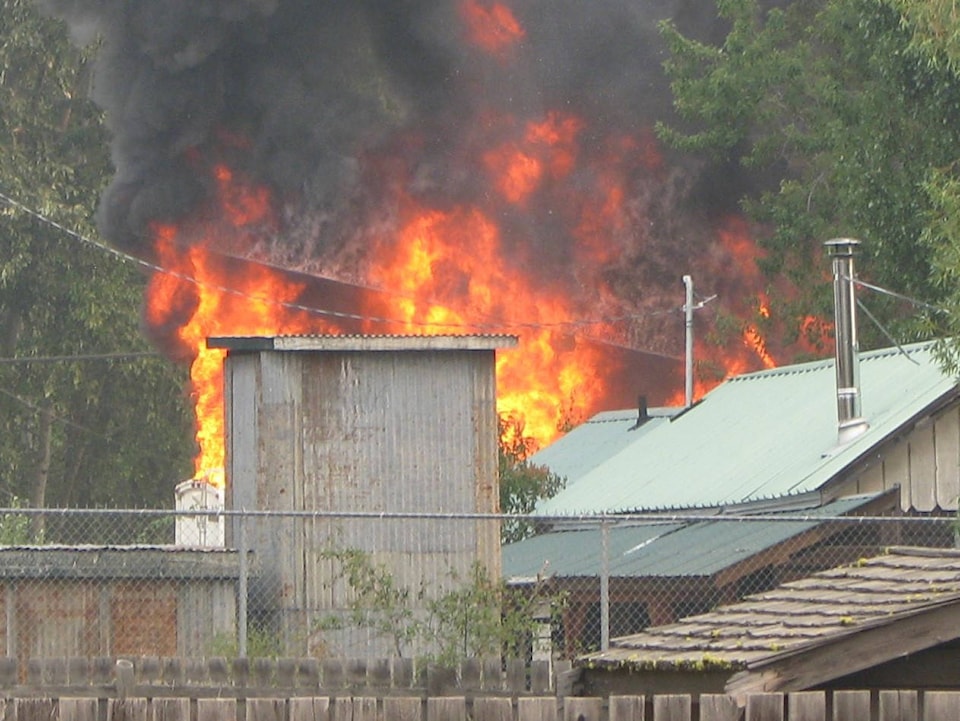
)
(453, 267)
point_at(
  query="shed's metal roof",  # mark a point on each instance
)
(761, 435)
(803, 614)
(591, 443)
(667, 548)
(363, 342)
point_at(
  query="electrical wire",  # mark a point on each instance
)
(53, 416)
(126, 257)
(899, 296)
(133, 355)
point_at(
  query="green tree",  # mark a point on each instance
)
(934, 30)
(469, 617)
(829, 109)
(522, 483)
(72, 432)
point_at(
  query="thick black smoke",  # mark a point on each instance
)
(317, 85)
(339, 104)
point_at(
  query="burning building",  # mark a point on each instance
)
(467, 166)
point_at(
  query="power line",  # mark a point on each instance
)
(500, 326)
(133, 355)
(900, 296)
(54, 416)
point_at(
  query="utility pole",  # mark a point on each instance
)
(688, 308)
(688, 357)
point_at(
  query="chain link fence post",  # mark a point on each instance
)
(605, 585)
(242, 588)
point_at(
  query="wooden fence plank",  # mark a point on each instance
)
(626, 708)
(537, 709)
(470, 674)
(310, 709)
(216, 709)
(486, 708)
(492, 674)
(671, 707)
(219, 670)
(171, 709)
(441, 680)
(126, 709)
(849, 705)
(540, 678)
(764, 707)
(898, 706)
(582, 709)
(332, 672)
(264, 670)
(9, 671)
(402, 671)
(266, 709)
(807, 706)
(341, 709)
(365, 708)
(516, 675)
(308, 673)
(449, 708)
(356, 672)
(718, 707)
(78, 709)
(941, 705)
(34, 709)
(401, 708)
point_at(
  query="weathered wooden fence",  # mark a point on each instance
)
(805, 706)
(152, 677)
(218, 689)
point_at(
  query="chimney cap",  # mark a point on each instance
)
(842, 246)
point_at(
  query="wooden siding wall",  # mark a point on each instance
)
(925, 464)
(406, 431)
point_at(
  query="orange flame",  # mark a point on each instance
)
(443, 287)
(491, 27)
(202, 296)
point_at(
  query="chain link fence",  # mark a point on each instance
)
(95, 583)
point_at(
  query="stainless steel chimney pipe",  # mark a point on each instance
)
(850, 422)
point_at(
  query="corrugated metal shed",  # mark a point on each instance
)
(663, 549)
(361, 424)
(762, 435)
(597, 440)
(774, 639)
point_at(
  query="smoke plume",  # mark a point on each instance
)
(345, 108)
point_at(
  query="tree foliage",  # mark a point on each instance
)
(843, 123)
(522, 483)
(470, 617)
(934, 29)
(72, 432)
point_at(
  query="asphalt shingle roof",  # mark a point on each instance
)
(798, 615)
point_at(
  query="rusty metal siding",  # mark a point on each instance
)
(384, 430)
(107, 601)
(143, 618)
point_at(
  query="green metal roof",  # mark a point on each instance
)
(758, 436)
(669, 548)
(593, 442)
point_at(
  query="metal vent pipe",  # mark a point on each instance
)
(850, 422)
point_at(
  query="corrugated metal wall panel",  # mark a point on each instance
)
(365, 431)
